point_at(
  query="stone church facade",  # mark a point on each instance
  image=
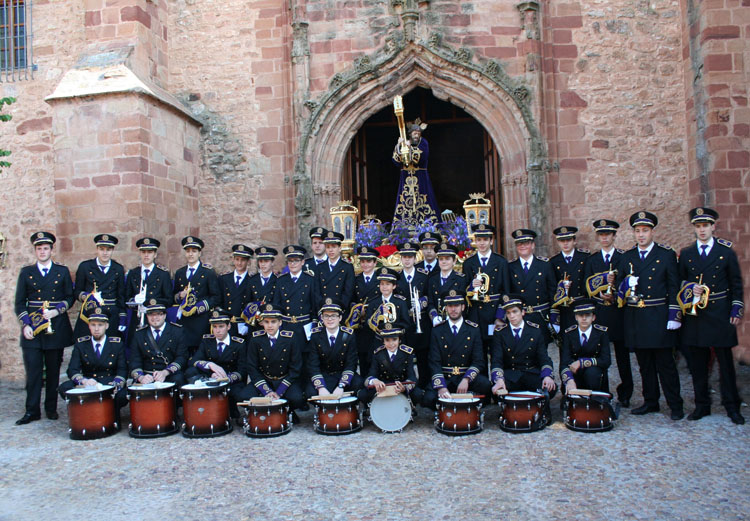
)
(232, 120)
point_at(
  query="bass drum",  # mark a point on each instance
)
(391, 413)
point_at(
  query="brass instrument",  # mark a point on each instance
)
(398, 110)
(416, 307)
(389, 312)
(635, 299)
(702, 301)
(484, 288)
(610, 288)
(45, 305)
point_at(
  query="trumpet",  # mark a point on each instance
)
(484, 287)
(416, 308)
(45, 305)
(702, 301)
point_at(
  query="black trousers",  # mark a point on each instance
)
(730, 398)
(293, 394)
(658, 365)
(332, 381)
(35, 360)
(592, 378)
(622, 357)
(480, 385)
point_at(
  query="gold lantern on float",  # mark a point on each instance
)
(477, 211)
(344, 218)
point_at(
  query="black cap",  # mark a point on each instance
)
(192, 242)
(219, 316)
(331, 305)
(240, 250)
(430, 238)
(98, 315)
(523, 234)
(264, 252)
(104, 239)
(565, 232)
(447, 248)
(513, 300)
(147, 243)
(295, 250)
(318, 232)
(483, 230)
(332, 237)
(453, 297)
(606, 225)
(387, 275)
(43, 238)
(269, 311)
(703, 214)
(153, 306)
(365, 252)
(643, 218)
(584, 305)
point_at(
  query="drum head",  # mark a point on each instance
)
(92, 389)
(528, 395)
(601, 395)
(390, 413)
(346, 400)
(154, 385)
(452, 401)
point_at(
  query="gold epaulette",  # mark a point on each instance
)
(501, 327)
(208, 336)
(258, 333)
(238, 339)
(470, 323)
(532, 324)
(207, 266)
(115, 339)
(459, 273)
(176, 324)
(724, 242)
(544, 259)
(287, 334)
(347, 330)
(665, 246)
(162, 267)
(406, 349)
(600, 327)
(84, 338)
(398, 296)
(316, 329)
(423, 271)
(378, 349)
(571, 328)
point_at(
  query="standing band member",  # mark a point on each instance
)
(263, 283)
(710, 269)
(336, 276)
(44, 293)
(318, 248)
(149, 281)
(234, 287)
(445, 280)
(568, 267)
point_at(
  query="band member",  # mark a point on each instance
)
(263, 283)
(149, 281)
(204, 289)
(585, 356)
(519, 353)
(710, 268)
(297, 293)
(318, 248)
(446, 280)
(158, 352)
(336, 276)
(44, 293)
(484, 298)
(332, 355)
(652, 281)
(568, 267)
(533, 278)
(98, 358)
(221, 356)
(412, 284)
(235, 288)
(428, 242)
(387, 307)
(109, 294)
(457, 361)
(274, 362)
(366, 288)
(392, 363)
(599, 276)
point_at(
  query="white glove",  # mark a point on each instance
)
(673, 324)
(632, 282)
(437, 321)
(556, 327)
(242, 328)
(140, 298)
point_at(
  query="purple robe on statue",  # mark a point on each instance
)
(415, 199)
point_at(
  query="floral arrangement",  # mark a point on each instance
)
(375, 234)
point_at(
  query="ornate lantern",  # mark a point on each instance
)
(477, 211)
(344, 218)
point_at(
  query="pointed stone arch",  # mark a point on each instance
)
(499, 103)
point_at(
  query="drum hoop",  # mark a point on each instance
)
(459, 401)
(339, 401)
(90, 390)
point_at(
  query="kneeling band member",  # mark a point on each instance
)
(585, 356)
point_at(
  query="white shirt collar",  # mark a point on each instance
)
(525, 261)
(105, 266)
(225, 341)
(100, 342)
(371, 275)
(240, 275)
(320, 259)
(335, 333)
(581, 332)
(149, 268)
(41, 267)
(458, 323)
(520, 328)
(275, 337)
(647, 250)
(610, 252)
(391, 353)
(332, 264)
(430, 265)
(160, 330)
(710, 245)
(409, 272)
(195, 266)
(386, 299)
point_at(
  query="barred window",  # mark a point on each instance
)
(15, 40)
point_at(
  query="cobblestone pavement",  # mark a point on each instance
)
(646, 468)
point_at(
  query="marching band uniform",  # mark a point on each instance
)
(366, 287)
(296, 297)
(262, 290)
(437, 284)
(366, 290)
(572, 267)
(535, 281)
(275, 364)
(157, 350)
(456, 353)
(205, 285)
(336, 280)
(158, 284)
(315, 233)
(610, 315)
(715, 262)
(36, 285)
(429, 239)
(110, 283)
(234, 288)
(590, 348)
(648, 321)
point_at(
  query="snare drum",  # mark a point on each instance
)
(391, 413)
(340, 416)
(523, 412)
(267, 421)
(457, 416)
(588, 413)
(152, 410)
(91, 412)
(206, 411)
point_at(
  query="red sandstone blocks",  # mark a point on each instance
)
(717, 62)
(92, 18)
(721, 32)
(130, 164)
(106, 180)
(571, 99)
(32, 125)
(566, 22)
(135, 14)
(500, 52)
(564, 51)
(738, 159)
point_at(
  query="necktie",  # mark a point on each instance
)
(703, 252)
(264, 279)
(103, 268)
(221, 346)
(567, 259)
(238, 281)
(606, 259)
(392, 355)
(408, 279)
(455, 330)
(330, 266)
(190, 275)
(484, 262)
(98, 348)
(332, 339)
(318, 261)
(145, 274)
(517, 333)
(443, 279)
(294, 279)
(45, 270)
(157, 334)
(273, 341)
(584, 340)
(367, 279)
(643, 255)
(526, 268)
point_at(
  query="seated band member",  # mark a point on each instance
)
(274, 362)
(392, 363)
(98, 358)
(519, 353)
(158, 352)
(332, 355)
(222, 357)
(585, 356)
(456, 356)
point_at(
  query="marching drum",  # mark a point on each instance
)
(457, 416)
(152, 410)
(588, 413)
(206, 410)
(91, 412)
(390, 413)
(523, 412)
(267, 420)
(338, 416)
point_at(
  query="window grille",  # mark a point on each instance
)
(15, 40)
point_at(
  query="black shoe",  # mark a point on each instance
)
(736, 418)
(697, 414)
(624, 402)
(28, 418)
(677, 414)
(295, 418)
(644, 409)
(53, 415)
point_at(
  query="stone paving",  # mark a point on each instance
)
(646, 468)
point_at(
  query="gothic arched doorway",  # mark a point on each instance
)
(463, 159)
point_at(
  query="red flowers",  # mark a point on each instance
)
(386, 250)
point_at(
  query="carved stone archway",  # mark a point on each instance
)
(498, 102)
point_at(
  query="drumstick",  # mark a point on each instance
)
(466, 395)
(580, 392)
(329, 397)
(407, 382)
(502, 392)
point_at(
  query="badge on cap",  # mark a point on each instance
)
(388, 325)
(563, 230)
(407, 245)
(444, 246)
(699, 211)
(269, 307)
(320, 230)
(215, 314)
(105, 237)
(452, 293)
(384, 271)
(505, 298)
(240, 248)
(365, 250)
(288, 250)
(152, 302)
(146, 241)
(641, 215)
(98, 311)
(189, 239)
(263, 250)
(482, 227)
(329, 301)
(40, 235)
(602, 223)
(428, 235)
(517, 233)
(330, 235)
